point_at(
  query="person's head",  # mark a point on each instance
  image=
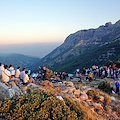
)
(18, 67)
(0, 64)
(23, 69)
(117, 81)
(26, 72)
(10, 65)
(6, 67)
(44, 68)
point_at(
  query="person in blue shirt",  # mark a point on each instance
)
(117, 85)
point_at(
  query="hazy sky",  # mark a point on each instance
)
(30, 21)
(49, 21)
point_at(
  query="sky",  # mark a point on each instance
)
(51, 21)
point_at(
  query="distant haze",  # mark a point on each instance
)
(32, 49)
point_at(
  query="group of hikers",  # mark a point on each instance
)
(100, 72)
(7, 74)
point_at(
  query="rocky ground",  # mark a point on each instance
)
(103, 106)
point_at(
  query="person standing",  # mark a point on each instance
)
(44, 72)
(117, 85)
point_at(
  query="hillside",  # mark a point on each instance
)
(97, 56)
(81, 44)
(18, 60)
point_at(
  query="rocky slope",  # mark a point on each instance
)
(90, 101)
(81, 42)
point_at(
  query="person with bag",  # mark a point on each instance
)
(6, 76)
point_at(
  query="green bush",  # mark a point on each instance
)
(105, 86)
(36, 106)
(49, 74)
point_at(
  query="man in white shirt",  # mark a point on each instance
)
(1, 70)
(17, 75)
(6, 74)
(22, 75)
(26, 79)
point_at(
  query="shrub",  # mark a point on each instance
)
(36, 106)
(92, 93)
(105, 86)
(49, 74)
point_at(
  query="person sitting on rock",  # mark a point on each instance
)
(27, 80)
(11, 67)
(17, 75)
(117, 85)
(22, 74)
(1, 70)
(6, 74)
(12, 71)
(44, 72)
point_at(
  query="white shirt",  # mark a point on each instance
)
(22, 75)
(5, 75)
(17, 73)
(1, 69)
(26, 78)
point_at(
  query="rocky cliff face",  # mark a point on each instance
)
(82, 41)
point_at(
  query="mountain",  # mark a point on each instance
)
(18, 60)
(81, 43)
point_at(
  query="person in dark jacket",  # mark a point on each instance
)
(44, 72)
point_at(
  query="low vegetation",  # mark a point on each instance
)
(105, 86)
(43, 106)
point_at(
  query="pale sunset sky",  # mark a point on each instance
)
(47, 21)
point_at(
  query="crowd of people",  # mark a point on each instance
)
(8, 73)
(102, 72)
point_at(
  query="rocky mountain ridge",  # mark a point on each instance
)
(81, 42)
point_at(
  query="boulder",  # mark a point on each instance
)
(10, 91)
(69, 89)
(97, 106)
(47, 83)
(70, 84)
(84, 97)
(108, 109)
(112, 98)
(86, 89)
(101, 98)
(62, 84)
(77, 92)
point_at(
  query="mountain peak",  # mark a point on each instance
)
(118, 21)
(108, 24)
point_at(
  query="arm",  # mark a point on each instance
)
(39, 67)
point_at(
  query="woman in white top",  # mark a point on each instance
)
(6, 74)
